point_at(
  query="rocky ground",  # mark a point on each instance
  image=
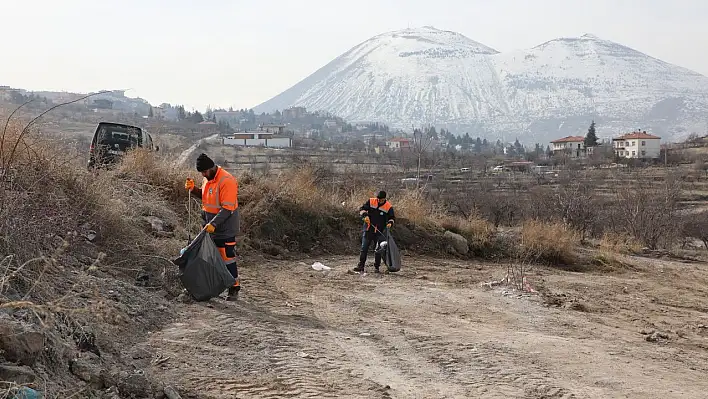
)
(432, 331)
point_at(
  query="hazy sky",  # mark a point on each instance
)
(242, 52)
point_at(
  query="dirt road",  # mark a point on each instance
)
(431, 331)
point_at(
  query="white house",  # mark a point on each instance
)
(637, 145)
(573, 146)
(263, 137)
(399, 143)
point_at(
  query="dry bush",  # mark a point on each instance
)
(622, 243)
(474, 228)
(648, 212)
(612, 248)
(551, 242)
(73, 249)
(417, 209)
(497, 207)
(146, 168)
(291, 210)
(57, 200)
(573, 203)
(696, 226)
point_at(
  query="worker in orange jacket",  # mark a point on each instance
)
(378, 217)
(219, 195)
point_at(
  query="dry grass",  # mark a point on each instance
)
(418, 210)
(619, 243)
(549, 242)
(474, 228)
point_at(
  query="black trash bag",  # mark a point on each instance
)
(202, 270)
(391, 254)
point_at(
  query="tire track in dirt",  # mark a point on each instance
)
(407, 353)
(484, 368)
(248, 352)
(406, 373)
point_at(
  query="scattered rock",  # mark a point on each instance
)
(657, 337)
(21, 347)
(18, 374)
(171, 393)
(156, 224)
(88, 368)
(91, 235)
(457, 242)
(304, 355)
(579, 306)
(136, 384)
(185, 297)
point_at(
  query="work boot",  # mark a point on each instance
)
(358, 269)
(232, 296)
(376, 269)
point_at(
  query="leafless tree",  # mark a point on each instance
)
(421, 145)
(696, 226)
(649, 213)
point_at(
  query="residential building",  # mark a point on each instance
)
(294, 112)
(573, 146)
(399, 143)
(637, 144)
(265, 136)
(330, 124)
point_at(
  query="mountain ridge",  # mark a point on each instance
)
(426, 75)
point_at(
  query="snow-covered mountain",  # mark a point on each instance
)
(429, 76)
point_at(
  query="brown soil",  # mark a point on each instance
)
(431, 331)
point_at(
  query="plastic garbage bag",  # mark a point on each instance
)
(391, 255)
(202, 270)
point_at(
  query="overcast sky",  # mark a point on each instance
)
(242, 52)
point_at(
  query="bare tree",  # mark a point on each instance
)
(421, 144)
(649, 213)
(696, 226)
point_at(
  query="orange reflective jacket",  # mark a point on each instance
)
(222, 192)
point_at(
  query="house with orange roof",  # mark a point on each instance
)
(639, 144)
(573, 146)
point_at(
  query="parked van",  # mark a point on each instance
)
(111, 141)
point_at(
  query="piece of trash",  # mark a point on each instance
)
(160, 359)
(304, 355)
(27, 393)
(365, 334)
(320, 267)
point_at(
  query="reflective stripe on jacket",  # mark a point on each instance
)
(379, 215)
(220, 204)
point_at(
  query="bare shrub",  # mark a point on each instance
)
(696, 226)
(551, 242)
(498, 207)
(573, 203)
(647, 212)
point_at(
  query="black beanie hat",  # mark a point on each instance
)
(381, 194)
(204, 163)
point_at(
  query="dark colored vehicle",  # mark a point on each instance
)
(111, 141)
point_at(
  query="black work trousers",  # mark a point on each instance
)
(369, 237)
